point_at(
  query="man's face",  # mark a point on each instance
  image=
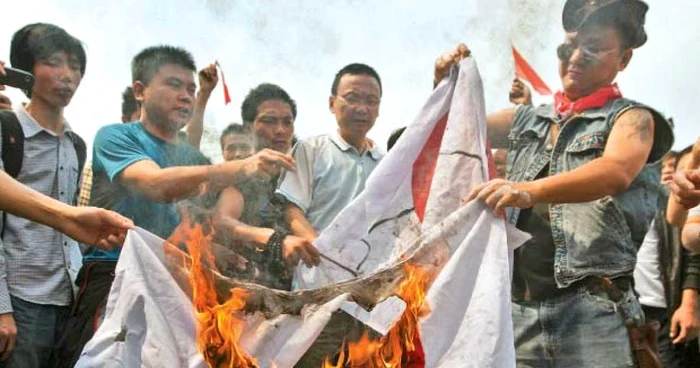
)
(168, 99)
(237, 147)
(499, 158)
(56, 79)
(356, 105)
(274, 125)
(668, 168)
(592, 59)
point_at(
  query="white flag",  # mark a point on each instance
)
(412, 199)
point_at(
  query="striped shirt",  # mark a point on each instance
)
(39, 264)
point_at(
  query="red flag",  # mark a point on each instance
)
(227, 96)
(524, 71)
(424, 167)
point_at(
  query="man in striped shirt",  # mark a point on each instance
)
(38, 264)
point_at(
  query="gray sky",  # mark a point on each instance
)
(301, 44)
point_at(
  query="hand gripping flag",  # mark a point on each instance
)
(410, 209)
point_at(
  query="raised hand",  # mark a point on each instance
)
(520, 93)
(446, 60)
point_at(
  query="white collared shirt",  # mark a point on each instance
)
(330, 173)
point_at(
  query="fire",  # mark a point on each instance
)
(398, 348)
(219, 324)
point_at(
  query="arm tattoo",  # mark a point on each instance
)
(641, 122)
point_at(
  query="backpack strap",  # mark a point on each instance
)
(80, 151)
(12, 143)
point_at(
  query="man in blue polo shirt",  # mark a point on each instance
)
(142, 168)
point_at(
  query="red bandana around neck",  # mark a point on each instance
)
(597, 99)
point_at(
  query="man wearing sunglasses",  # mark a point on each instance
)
(580, 185)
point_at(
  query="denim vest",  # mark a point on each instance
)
(594, 238)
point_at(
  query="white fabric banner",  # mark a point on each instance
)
(150, 321)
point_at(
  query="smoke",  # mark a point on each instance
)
(300, 45)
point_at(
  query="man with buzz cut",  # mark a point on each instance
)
(142, 168)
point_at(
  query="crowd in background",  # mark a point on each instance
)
(613, 212)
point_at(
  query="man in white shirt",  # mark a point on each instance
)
(331, 171)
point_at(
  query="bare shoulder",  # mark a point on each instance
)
(636, 122)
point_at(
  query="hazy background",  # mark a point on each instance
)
(301, 44)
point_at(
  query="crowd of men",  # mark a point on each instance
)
(613, 213)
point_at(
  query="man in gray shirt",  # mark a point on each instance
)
(331, 171)
(38, 264)
(332, 168)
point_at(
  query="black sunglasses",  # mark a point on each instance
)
(566, 50)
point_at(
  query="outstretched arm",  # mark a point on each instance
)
(626, 153)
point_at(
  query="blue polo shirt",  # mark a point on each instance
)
(119, 146)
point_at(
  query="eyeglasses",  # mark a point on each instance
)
(353, 99)
(566, 50)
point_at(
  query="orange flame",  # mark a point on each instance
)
(396, 347)
(219, 326)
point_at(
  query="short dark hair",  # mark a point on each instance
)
(395, 135)
(129, 103)
(233, 129)
(148, 62)
(260, 94)
(38, 41)
(670, 154)
(355, 69)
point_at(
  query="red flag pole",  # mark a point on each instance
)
(227, 96)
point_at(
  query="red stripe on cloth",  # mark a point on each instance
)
(524, 71)
(422, 177)
(416, 358)
(424, 168)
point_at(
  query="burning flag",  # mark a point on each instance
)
(524, 71)
(408, 261)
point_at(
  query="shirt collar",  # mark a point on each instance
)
(31, 128)
(548, 112)
(345, 146)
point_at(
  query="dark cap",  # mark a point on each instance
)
(628, 15)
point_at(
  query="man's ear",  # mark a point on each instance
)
(139, 90)
(331, 104)
(626, 57)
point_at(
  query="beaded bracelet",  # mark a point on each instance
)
(273, 247)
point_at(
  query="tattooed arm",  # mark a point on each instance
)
(626, 153)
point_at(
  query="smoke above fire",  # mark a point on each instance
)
(301, 44)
